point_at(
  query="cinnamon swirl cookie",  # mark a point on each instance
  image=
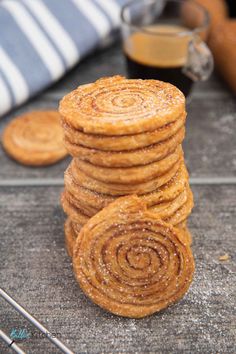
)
(97, 201)
(35, 138)
(119, 189)
(130, 262)
(132, 174)
(118, 106)
(130, 158)
(123, 142)
(72, 230)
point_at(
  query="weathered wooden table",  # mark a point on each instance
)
(36, 270)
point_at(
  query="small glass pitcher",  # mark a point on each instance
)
(165, 40)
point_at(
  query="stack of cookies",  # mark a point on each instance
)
(125, 137)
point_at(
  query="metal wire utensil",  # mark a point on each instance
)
(34, 322)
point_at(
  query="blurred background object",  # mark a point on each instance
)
(222, 38)
(217, 9)
(223, 45)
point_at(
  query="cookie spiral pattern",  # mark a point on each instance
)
(127, 159)
(97, 201)
(123, 142)
(35, 138)
(119, 189)
(117, 106)
(134, 266)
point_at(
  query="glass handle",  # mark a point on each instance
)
(200, 62)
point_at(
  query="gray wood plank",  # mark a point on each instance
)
(211, 133)
(36, 270)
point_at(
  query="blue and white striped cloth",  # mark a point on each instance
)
(40, 40)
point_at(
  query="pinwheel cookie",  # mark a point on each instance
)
(129, 175)
(130, 262)
(72, 230)
(175, 211)
(118, 189)
(118, 106)
(123, 142)
(96, 201)
(129, 158)
(35, 138)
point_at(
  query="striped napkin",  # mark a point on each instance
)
(40, 40)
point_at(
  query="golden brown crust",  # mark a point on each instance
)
(168, 208)
(115, 189)
(183, 212)
(94, 201)
(187, 234)
(75, 214)
(137, 157)
(131, 263)
(129, 175)
(118, 106)
(70, 235)
(174, 211)
(123, 142)
(35, 138)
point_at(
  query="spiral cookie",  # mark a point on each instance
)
(133, 174)
(187, 233)
(217, 9)
(94, 201)
(128, 175)
(116, 189)
(117, 106)
(138, 157)
(131, 263)
(76, 202)
(35, 138)
(174, 211)
(72, 230)
(123, 142)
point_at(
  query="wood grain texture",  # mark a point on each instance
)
(36, 270)
(209, 146)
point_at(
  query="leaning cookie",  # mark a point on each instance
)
(130, 262)
(35, 138)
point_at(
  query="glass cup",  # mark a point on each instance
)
(165, 40)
